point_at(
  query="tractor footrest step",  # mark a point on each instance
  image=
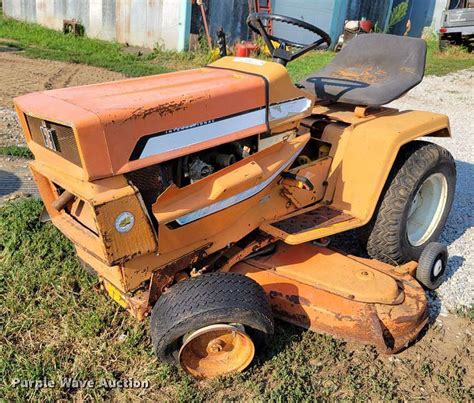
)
(310, 224)
(320, 217)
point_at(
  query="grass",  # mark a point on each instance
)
(467, 312)
(453, 59)
(55, 326)
(16, 151)
(39, 42)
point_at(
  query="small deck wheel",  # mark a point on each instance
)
(211, 325)
(432, 265)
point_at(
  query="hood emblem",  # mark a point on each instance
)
(49, 136)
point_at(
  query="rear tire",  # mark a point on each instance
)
(444, 44)
(415, 204)
(201, 302)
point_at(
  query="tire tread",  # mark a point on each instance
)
(382, 235)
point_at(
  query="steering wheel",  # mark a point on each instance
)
(280, 54)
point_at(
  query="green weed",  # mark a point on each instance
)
(16, 151)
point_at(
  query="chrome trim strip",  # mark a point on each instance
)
(230, 201)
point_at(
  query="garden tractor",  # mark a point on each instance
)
(206, 199)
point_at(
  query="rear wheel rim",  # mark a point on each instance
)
(216, 350)
(427, 208)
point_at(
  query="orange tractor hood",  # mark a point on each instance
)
(125, 125)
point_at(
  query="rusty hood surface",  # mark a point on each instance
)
(125, 125)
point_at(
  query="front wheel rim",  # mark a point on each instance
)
(216, 350)
(427, 208)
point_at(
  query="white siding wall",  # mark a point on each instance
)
(440, 6)
(137, 22)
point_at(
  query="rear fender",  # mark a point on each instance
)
(365, 155)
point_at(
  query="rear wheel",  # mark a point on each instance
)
(444, 44)
(415, 204)
(211, 325)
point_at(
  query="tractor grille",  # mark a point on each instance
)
(151, 182)
(61, 138)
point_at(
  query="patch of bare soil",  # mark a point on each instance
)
(438, 366)
(20, 75)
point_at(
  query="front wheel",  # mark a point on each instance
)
(415, 203)
(211, 325)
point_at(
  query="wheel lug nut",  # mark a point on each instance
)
(216, 346)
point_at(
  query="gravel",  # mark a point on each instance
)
(10, 131)
(453, 95)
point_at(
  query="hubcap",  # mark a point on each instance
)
(216, 350)
(437, 268)
(427, 209)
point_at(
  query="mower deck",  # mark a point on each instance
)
(348, 297)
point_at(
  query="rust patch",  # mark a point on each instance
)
(298, 300)
(275, 294)
(357, 73)
(164, 276)
(409, 70)
(168, 108)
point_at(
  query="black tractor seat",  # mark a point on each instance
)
(371, 70)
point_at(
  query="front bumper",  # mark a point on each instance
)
(90, 221)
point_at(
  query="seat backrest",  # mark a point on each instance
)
(372, 69)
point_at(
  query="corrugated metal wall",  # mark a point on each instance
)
(231, 15)
(137, 22)
(421, 15)
(329, 15)
(376, 11)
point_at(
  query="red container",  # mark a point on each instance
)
(366, 25)
(245, 48)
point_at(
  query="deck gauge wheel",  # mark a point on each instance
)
(432, 265)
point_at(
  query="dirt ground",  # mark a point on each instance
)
(442, 356)
(19, 76)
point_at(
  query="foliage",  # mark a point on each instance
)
(453, 59)
(16, 151)
(398, 14)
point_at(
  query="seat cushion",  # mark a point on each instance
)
(371, 70)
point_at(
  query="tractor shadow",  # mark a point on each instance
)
(343, 86)
(9, 183)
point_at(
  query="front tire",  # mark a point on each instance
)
(415, 203)
(210, 324)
